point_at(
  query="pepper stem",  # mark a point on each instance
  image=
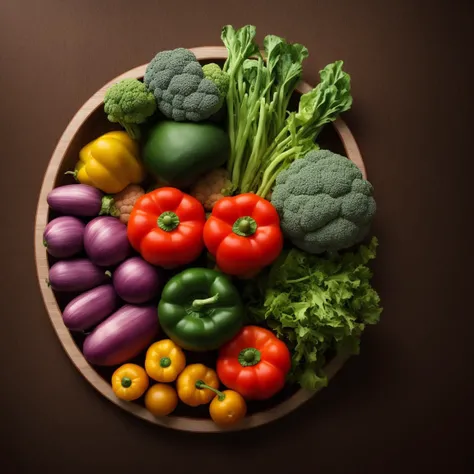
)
(165, 362)
(198, 304)
(168, 221)
(249, 356)
(245, 226)
(200, 385)
(74, 173)
(126, 382)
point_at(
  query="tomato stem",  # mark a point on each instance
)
(249, 356)
(126, 382)
(165, 362)
(200, 385)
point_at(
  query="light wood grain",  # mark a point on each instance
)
(64, 152)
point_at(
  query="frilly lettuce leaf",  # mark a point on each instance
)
(317, 305)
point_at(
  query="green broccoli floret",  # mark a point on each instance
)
(129, 103)
(323, 202)
(182, 92)
(221, 79)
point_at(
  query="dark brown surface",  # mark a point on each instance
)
(405, 404)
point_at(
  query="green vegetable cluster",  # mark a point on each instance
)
(323, 202)
(182, 89)
(129, 103)
(319, 306)
(265, 137)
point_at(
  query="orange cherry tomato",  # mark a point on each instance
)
(161, 399)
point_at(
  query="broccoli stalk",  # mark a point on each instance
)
(129, 103)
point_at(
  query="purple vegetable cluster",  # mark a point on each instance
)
(95, 259)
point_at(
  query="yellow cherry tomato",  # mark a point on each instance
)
(161, 399)
(129, 382)
(164, 361)
(195, 384)
(227, 408)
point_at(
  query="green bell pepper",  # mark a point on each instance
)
(200, 309)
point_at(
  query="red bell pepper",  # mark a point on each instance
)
(254, 363)
(243, 234)
(165, 227)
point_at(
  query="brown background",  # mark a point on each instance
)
(405, 404)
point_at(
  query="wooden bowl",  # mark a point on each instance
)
(88, 123)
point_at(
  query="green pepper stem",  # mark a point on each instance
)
(126, 382)
(165, 362)
(74, 173)
(198, 304)
(200, 385)
(168, 221)
(244, 226)
(249, 356)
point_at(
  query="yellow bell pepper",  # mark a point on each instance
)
(129, 382)
(164, 361)
(110, 163)
(190, 381)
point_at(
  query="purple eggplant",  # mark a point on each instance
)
(90, 308)
(122, 336)
(106, 242)
(78, 274)
(81, 200)
(136, 281)
(63, 237)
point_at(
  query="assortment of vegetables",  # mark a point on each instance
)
(214, 223)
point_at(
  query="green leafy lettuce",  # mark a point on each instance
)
(318, 305)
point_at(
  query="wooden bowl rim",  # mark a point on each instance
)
(204, 53)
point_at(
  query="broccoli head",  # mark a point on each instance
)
(221, 79)
(323, 202)
(182, 92)
(129, 103)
